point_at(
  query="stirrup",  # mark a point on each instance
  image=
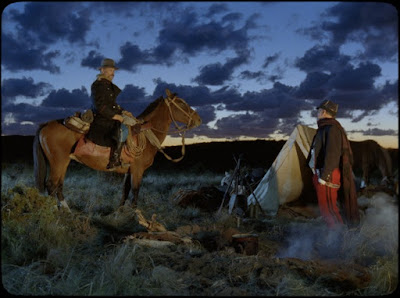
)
(113, 164)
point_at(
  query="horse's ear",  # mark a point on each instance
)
(169, 94)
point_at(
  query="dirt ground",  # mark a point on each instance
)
(254, 256)
(197, 249)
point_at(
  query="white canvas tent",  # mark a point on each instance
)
(289, 175)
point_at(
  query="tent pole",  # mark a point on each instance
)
(226, 191)
(254, 195)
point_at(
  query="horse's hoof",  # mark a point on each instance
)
(64, 206)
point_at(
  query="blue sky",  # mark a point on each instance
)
(250, 69)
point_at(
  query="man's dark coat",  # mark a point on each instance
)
(104, 130)
(338, 155)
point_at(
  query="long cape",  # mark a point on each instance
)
(349, 198)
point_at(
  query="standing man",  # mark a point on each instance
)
(331, 160)
(106, 129)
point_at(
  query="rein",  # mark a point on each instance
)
(181, 130)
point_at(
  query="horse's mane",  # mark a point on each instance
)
(150, 108)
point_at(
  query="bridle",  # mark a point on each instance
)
(181, 130)
(168, 101)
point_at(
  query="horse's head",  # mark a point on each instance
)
(180, 111)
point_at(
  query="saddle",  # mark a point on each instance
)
(85, 147)
(133, 146)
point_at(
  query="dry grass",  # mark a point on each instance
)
(48, 252)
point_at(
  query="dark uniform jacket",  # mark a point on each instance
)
(332, 150)
(327, 146)
(104, 130)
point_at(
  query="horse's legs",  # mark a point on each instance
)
(127, 189)
(56, 141)
(55, 189)
(60, 196)
(51, 187)
(56, 181)
(365, 170)
(365, 177)
(386, 170)
(135, 197)
(136, 180)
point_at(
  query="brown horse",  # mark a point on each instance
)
(368, 156)
(54, 144)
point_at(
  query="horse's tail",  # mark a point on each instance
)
(39, 162)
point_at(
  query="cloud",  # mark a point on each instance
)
(322, 58)
(23, 112)
(390, 91)
(20, 54)
(367, 101)
(371, 24)
(232, 17)
(134, 99)
(131, 9)
(268, 99)
(314, 85)
(207, 114)
(331, 75)
(93, 60)
(377, 132)
(33, 31)
(62, 98)
(193, 95)
(187, 35)
(59, 104)
(132, 56)
(25, 87)
(19, 129)
(270, 59)
(267, 111)
(264, 112)
(360, 78)
(255, 125)
(217, 73)
(190, 35)
(351, 81)
(215, 9)
(214, 74)
(226, 96)
(71, 24)
(259, 76)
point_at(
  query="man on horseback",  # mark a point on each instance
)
(331, 161)
(108, 127)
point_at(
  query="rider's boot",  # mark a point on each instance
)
(115, 155)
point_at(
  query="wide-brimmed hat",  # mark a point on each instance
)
(329, 106)
(108, 63)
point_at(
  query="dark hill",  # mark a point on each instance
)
(215, 156)
(17, 149)
(220, 156)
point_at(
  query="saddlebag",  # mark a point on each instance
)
(79, 123)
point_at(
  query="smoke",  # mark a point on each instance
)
(377, 234)
(311, 240)
(380, 224)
